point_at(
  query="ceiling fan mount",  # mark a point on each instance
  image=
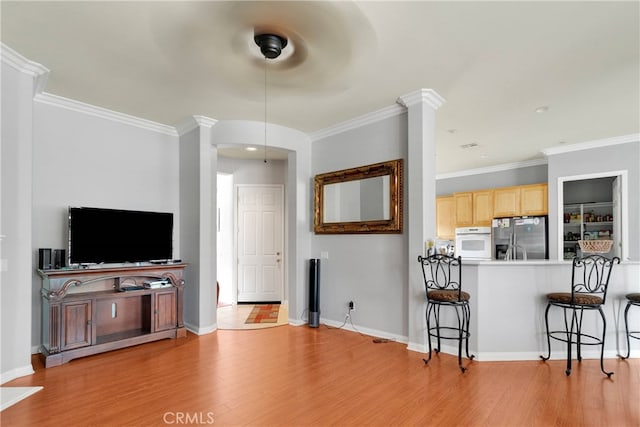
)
(271, 45)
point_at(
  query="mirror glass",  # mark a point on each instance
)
(365, 199)
(360, 200)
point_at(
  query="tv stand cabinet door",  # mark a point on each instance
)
(76, 324)
(165, 310)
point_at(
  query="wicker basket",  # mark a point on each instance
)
(595, 246)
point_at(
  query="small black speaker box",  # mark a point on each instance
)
(44, 259)
(58, 258)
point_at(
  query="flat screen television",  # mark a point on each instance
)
(98, 235)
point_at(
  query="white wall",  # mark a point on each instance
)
(368, 269)
(15, 222)
(254, 171)
(83, 160)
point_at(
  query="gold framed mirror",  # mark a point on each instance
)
(365, 199)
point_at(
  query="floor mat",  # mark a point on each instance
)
(264, 313)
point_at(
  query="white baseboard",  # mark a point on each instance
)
(296, 322)
(16, 373)
(366, 331)
(201, 330)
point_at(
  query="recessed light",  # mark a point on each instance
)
(484, 156)
(542, 109)
(251, 149)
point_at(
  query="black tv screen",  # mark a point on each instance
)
(98, 235)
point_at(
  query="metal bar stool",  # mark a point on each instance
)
(443, 285)
(632, 299)
(589, 283)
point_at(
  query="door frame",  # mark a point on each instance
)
(284, 287)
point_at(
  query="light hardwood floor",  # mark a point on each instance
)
(294, 376)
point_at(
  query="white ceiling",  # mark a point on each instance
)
(494, 63)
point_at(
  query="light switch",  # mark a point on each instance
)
(324, 255)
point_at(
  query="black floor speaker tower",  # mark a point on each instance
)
(314, 293)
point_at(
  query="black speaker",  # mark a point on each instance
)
(44, 259)
(314, 293)
(59, 260)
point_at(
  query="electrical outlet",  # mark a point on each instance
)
(352, 306)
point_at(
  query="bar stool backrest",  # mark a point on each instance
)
(442, 272)
(591, 275)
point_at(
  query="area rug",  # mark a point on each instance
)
(264, 313)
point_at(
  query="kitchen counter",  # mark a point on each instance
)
(508, 303)
(530, 262)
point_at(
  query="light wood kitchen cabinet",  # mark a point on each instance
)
(464, 209)
(445, 217)
(506, 202)
(482, 207)
(522, 200)
(534, 199)
(478, 208)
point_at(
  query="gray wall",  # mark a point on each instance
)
(83, 160)
(15, 223)
(588, 190)
(485, 180)
(367, 269)
(612, 158)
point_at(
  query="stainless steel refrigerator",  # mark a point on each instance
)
(520, 238)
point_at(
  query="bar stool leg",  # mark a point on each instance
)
(626, 329)
(429, 311)
(546, 323)
(604, 331)
(468, 322)
(569, 338)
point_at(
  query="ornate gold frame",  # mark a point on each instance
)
(392, 168)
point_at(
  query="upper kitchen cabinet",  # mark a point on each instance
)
(482, 207)
(506, 202)
(533, 199)
(464, 209)
(445, 217)
(523, 200)
(473, 208)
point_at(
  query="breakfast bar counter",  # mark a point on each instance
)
(508, 303)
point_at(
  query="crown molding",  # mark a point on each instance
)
(491, 169)
(194, 122)
(39, 72)
(373, 117)
(426, 96)
(205, 121)
(92, 110)
(20, 63)
(588, 145)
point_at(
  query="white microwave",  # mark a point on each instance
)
(473, 243)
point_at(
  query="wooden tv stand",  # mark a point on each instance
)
(85, 310)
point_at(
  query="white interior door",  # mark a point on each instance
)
(260, 242)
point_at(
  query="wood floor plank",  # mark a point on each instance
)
(302, 376)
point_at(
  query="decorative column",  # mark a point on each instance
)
(421, 196)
